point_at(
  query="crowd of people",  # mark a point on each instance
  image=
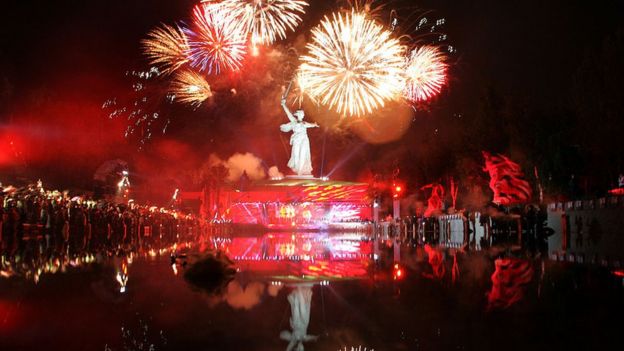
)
(37, 225)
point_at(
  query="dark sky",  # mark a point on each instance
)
(59, 60)
(523, 46)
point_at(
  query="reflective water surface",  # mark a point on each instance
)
(315, 291)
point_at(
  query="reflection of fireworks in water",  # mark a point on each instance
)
(425, 73)
(166, 48)
(353, 64)
(217, 41)
(353, 348)
(140, 337)
(142, 107)
(267, 20)
(190, 87)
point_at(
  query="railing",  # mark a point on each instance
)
(587, 231)
(452, 231)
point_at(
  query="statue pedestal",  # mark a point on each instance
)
(294, 176)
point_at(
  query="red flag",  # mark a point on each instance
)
(436, 260)
(509, 282)
(434, 203)
(506, 180)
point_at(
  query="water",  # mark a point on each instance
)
(436, 303)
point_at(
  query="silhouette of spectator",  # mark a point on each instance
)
(579, 231)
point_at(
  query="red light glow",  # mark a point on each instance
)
(398, 272)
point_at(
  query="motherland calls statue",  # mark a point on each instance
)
(300, 300)
(300, 160)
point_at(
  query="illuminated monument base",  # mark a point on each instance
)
(298, 203)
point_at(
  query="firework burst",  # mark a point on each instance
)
(217, 40)
(190, 87)
(425, 73)
(166, 47)
(353, 65)
(267, 20)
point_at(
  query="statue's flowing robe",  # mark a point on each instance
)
(300, 160)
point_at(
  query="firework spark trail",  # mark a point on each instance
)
(190, 87)
(142, 107)
(217, 40)
(425, 73)
(373, 9)
(267, 20)
(300, 88)
(353, 66)
(166, 47)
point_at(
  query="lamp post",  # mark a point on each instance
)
(397, 192)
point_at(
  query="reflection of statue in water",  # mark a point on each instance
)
(300, 300)
(300, 161)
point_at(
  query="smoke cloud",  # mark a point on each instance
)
(273, 290)
(274, 173)
(246, 298)
(239, 163)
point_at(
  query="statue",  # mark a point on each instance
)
(300, 160)
(300, 300)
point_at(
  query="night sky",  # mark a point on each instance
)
(60, 60)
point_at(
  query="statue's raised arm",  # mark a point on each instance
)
(288, 113)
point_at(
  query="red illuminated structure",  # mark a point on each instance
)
(617, 191)
(397, 193)
(294, 203)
